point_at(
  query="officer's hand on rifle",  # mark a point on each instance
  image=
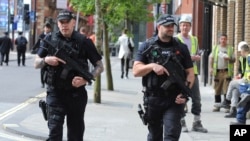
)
(53, 61)
(180, 99)
(78, 81)
(159, 69)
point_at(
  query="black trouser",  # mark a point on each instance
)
(62, 103)
(21, 53)
(6, 55)
(125, 63)
(164, 115)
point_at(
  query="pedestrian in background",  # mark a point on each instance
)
(67, 95)
(164, 107)
(5, 47)
(47, 29)
(222, 60)
(193, 47)
(92, 36)
(125, 52)
(244, 104)
(21, 43)
(84, 31)
(233, 93)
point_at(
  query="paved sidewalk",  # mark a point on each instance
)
(116, 118)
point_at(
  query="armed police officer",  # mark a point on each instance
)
(164, 104)
(66, 93)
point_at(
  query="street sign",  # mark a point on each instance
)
(33, 16)
(14, 26)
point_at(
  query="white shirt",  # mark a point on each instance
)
(222, 64)
(123, 42)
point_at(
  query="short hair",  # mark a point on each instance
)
(223, 34)
(245, 48)
(83, 29)
(48, 25)
(20, 33)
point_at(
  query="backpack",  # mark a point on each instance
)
(22, 41)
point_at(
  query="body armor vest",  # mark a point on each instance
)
(59, 76)
(159, 55)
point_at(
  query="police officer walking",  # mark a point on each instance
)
(66, 93)
(164, 105)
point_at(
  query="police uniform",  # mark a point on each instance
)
(162, 111)
(43, 69)
(62, 98)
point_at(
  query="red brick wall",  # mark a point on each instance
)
(197, 29)
(150, 25)
(185, 7)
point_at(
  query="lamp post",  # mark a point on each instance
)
(207, 40)
(8, 16)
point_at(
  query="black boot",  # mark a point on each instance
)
(232, 113)
(122, 75)
(226, 104)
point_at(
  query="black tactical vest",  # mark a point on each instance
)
(159, 54)
(57, 76)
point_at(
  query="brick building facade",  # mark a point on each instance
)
(46, 11)
(228, 16)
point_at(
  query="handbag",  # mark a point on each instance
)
(130, 46)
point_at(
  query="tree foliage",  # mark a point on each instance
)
(115, 11)
(112, 13)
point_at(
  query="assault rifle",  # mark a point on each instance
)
(174, 77)
(170, 61)
(67, 53)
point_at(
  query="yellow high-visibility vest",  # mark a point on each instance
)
(215, 52)
(193, 50)
(247, 70)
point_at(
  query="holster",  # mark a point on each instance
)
(43, 106)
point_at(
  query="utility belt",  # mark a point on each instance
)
(222, 70)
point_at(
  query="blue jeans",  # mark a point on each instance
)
(241, 113)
